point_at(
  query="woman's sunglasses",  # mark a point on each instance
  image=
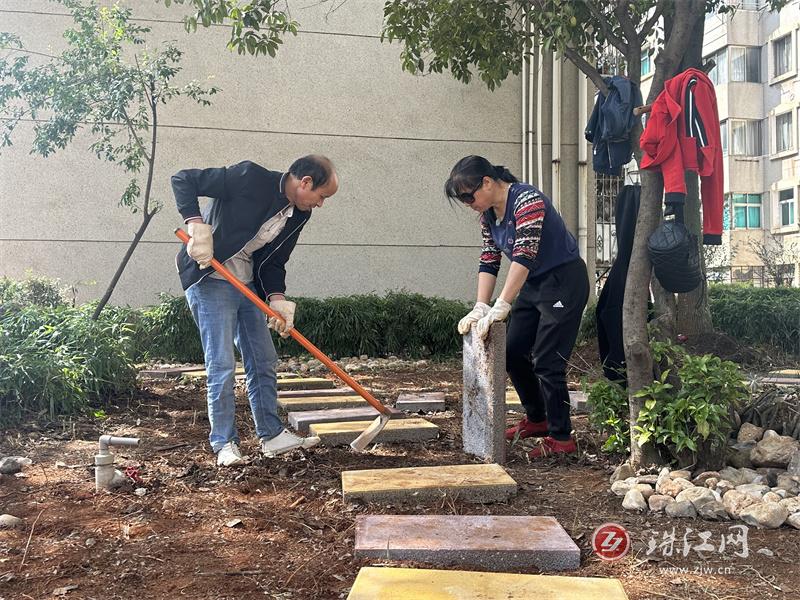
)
(469, 197)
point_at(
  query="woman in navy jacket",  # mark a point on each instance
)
(547, 284)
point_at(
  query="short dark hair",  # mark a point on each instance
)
(318, 167)
(468, 173)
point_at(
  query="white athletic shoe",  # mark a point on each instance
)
(229, 455)
(286, 441)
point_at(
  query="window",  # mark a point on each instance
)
(646, 66)
(746, 211)
(745, 64)
(786, 207)
(782, 52)
(723, 136)
(719, 74)
(783, 132)
(745, 137)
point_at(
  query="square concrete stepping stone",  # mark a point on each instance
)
(469, 483)
(301, 420)
(495, 542)
(305, 383)
(169, 372)
(317, 393)
(578, 401)
(391, 583)
(423, 401)
(396, 430)
(321, 402)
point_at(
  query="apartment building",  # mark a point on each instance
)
(758, 93)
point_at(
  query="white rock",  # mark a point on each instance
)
(790, 483)
(771, 497)
(774, 451)
(622, 472)
(710, 483)
(770, 433)
(751, 475)
(750, 433)
(13, 464)
(9, 521)
(735, 502)
(673, 487)
(732, 475)
(791, 504)
(756, 490)
(724, 486)
(644, 489)
(683, 474)
(793, 468)
(705, 476)
(634, 501)
(681, 509)
(765, 515)
(713, 510)
(696, 495)
(620, 488)
(794, 520)
(658, 502)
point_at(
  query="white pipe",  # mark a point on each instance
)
(539, 141)
(555, 186)
(531, 99)
(524, 107)
(583, 156)
(105, 476)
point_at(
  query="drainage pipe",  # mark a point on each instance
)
(555, 186)
(104, 472)
(523, 90)
(583, 167)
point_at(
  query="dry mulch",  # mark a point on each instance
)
(279, 529)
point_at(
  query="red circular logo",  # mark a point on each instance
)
(611, 541)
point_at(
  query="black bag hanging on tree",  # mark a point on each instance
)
(675, 257)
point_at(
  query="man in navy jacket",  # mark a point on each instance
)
(251, 226)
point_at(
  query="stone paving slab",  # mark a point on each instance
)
(301, 420)
(468, 483)
(169, 373)
(578, 401)
(791, 373)
(494, 542)
(315, 393)
(305, 383)
(392, 583)
(396, 430)
(779, 380)
(239, 373)
(321, 402)
(424, 401)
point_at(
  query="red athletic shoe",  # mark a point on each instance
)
(526, 429)
(551, 446)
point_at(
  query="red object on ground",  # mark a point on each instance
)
(132, 473)
(551, 446)
(525, 429)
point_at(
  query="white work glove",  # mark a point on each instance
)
(476, 314)
(201, 246)
(498, 312)
(285, 308)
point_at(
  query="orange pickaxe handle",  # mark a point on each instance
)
(316, 352)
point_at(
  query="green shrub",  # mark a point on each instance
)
(56, 361)
(609, 414)
(674, 417)
(398, 323)
(757, 315)
(31, 291)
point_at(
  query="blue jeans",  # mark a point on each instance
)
(226, 317)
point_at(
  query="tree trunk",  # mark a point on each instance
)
(634, 317)
(110, 290)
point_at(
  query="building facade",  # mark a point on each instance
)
(334, 89)
(758, 93)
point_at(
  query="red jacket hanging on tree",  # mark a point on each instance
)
(683, 133)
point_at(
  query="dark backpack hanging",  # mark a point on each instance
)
(675, 257)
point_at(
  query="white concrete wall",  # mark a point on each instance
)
(334, 89)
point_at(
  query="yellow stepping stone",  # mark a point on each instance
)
(396, 430)
(201, 374)
(321, 402)
(391, 583)
(785, 373)
(469, 483)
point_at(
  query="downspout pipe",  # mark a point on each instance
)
(556, 119)
(105, 476)
(583, 179)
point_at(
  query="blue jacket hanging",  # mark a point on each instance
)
(610, 125)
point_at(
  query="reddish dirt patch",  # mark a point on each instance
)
(295, 538)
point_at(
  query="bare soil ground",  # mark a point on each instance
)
(294, 535)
